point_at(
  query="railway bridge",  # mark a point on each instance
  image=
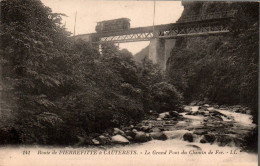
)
(162, 37)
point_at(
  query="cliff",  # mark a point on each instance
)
(219, 69)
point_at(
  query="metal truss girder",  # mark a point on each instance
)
(163, 31)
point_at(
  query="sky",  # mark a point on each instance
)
(139, 12)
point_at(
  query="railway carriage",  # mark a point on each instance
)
(113, 25)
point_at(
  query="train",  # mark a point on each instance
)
(113, 25)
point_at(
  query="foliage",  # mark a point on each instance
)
(166, 97)
(220, 69)
(59, 90)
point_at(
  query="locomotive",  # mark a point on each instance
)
(113, 25)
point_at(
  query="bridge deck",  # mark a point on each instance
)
(174, 30)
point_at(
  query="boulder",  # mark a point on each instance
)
(224, 140)
(216, 106)
(130, 133)
(200, 131)
(174, 114)
(102, 139)
(158, 136)
(167, 122)
(129, 138)
(145, 128)
(159, 119)
(95, 142)
(210, 108)
(164, 115)
(134, 130)
(188, 137)
(141, 137)
(119, 139)
(209, 138)
(187, 108)
(156, 129)
(248, 112)
(193, 103)
(203, 141)
(200, 103)
(217, 118)
(118, 131)
(206, 105)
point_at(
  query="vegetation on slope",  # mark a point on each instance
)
(219, 69)
(55, 90)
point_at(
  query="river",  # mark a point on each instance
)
(173, 151)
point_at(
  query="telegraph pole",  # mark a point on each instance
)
(75, 23)
(153, 14)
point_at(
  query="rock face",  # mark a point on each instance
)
(158, 136)
(188, 137)
(118, 139)
(141, 137)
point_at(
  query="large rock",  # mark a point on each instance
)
(102, 139)
(118, 131)
(217, 118)
(146, 128)
(206, 105)
(224, 140)
(203, 141)
(141, 137)
(187, 108)
(188, 137)
(119, 139)
(209, 138)
(174, 114)
(156, 129)
(200, 103)
(193, 103)
(158, 136)
(134, 130)
(95, 142)
(200, 131)
(130, 133)
(164, 115)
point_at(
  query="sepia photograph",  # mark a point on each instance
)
(129, 83)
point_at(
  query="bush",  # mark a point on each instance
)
(166, 97)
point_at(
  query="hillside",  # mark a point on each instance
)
(219, 69)
(138, 57)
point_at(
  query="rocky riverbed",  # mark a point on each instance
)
(207, 135)
(205, 124)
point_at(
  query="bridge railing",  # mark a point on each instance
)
(209, 16)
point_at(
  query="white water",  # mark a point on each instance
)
(161, 153)
(242, 119)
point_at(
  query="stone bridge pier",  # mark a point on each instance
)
(160, 50)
